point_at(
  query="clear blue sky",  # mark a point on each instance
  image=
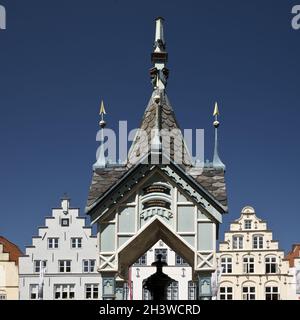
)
(58, 58)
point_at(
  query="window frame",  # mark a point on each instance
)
(226, 265)
(258, 242)
(41, 264)
(77, 243)
(179, 261)
(272, 294)
(51, 241)
(61, 291)
(237, 242)
(164, 255)
(192, 290)
(248, 224)
(250, 295)
(94, 291)
(142, 261)
(63, 265)
(226, 295)
(91, 265)
(63, 220)
(249, 264)
(269, 265)
(32, 288)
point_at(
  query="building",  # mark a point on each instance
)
(293, 257)
(9, 271)
(253, 265)
(182, 288)
(158, 193)
(61, 262)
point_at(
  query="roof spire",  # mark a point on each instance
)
(217, 163)
(159, 73)
(101, 161)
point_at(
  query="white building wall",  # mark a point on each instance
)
(239, 278)
(180, 273)
(8, 277)
(294, 292)
(40, 251)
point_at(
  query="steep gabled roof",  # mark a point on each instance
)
(12, 249)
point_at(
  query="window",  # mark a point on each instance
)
(38, 264)
(226, 293)
(142, 261)
(248, 293)
(3, 296)
(172, 291)
(237, 242)
(89, 265)
(34, 291)
(271, 264)
(64, 291)
(164, 254)
(146, 294)
(272, 293)
(64, 265)
(248, 224)
(258, 242)
(192, 290)
(91, 291)
(52, 243)
(65, 222)
(248, 264)
(76, 243)
(226, 264)
(180, 261)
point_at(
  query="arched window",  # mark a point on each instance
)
(271, 291)
(249, 291)
(226, 264)
(172, 293)
(146, 293)
(271, 264)
(248, 264)
(258, 242)
(192, 290)
(226, 292)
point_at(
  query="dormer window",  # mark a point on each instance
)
(248, 224)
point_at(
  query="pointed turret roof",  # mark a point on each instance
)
(172, 141)
(159, 133)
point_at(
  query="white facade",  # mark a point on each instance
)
(66, 250)
(293, 258)
(181, 289)
(253, 266)
(295, 284)
(9, 278)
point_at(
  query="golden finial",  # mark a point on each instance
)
(102, 108)
(216, 110)
(216, 114)
(102, 112)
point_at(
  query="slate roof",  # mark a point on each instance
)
(142, 143)
(211, 179)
